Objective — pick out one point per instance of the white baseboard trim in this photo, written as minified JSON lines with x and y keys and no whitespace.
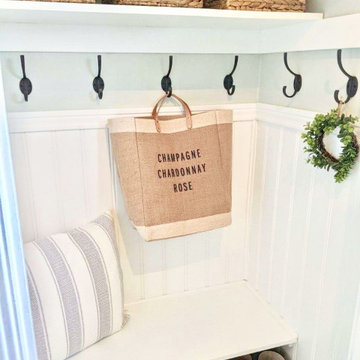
{"x":283,"y":116}
{"x":21,"y":122}
{"x":97,"y":119}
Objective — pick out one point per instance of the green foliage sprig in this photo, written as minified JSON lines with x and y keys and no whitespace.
{"x":317,"y":154}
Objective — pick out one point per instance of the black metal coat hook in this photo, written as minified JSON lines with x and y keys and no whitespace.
{"x":351,"y":86}
{"x":25,"y":84}
{"x":229,"y":81}
{"x":297,"y":80}
{"x":98,"y":83}
{"x":166,"y":81}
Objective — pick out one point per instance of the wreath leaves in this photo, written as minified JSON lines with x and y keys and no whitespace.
{"x":317,"y":154}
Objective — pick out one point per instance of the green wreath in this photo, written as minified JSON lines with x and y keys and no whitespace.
{"x":318,"y":156}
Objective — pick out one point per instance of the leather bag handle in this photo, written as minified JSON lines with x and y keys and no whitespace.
{"x":160,"y":103}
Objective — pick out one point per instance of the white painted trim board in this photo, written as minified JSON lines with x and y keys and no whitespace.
{"x":97,"y":119}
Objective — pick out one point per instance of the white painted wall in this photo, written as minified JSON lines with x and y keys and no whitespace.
{"x":355,"y":342}
{"x":302,"y":252}
{"x":321,"y":77}
{"x":303,"y":245}
{"x":64,"y":180}
{"x":332,"y":8}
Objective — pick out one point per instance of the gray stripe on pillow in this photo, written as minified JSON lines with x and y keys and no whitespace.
{"x":41,"y":336}
{"x":110,"y":325}
{"x":97,"y":270}
{"x":67,"y":294}
{"x":57,"y":290}
{"x":82,"y":327}
{"x":106,"y":223}
{"x":91,"y":279}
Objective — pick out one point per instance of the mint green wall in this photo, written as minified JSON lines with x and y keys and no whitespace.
{"x":321,"y":77}
{"x":64,"y":81}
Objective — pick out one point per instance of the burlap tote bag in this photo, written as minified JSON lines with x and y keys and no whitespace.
{"x":175,"y":171}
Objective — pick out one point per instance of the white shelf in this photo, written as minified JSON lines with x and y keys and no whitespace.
{"x":145,"y":16}
{"x":27,"y":26}
{"x":211,"y":324}
{"x":331,"y":33}
{"x":95,"y":28}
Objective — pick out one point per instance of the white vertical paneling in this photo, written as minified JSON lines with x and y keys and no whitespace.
{"x":284,"y":192}
{"x":256,"y":206}
{"x":163,"y":268}
{"x":299,"y":220}
{"x":268,"y":204}
{"x":314,"y":272}
{"x":354,"y":350}
{"x":249,"y":200}
{"x":274,"y":287}
{"x":65,"y":179}
{"x":195,"y":259}
{"x":58,"y":174}
{"x":71,"y":184}
{"x":60,"y":203}
{"x":42,"y":177}
{"x":153,"y":268}
{"x":290,"y":217}
{"x":330,"y":217}
{"x":131,"y":252}
{"x":314,"y":243}
{"x":96,"y":171}
{"x":349,"y":270}
{"x":175,"y":260}
{"x":217,"y":271}
{"x":293,"y":234}
{"x":24,"y":187}
{"x":242,"y":165}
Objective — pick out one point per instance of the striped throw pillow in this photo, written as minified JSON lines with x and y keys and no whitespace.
{"x":75,"y":285}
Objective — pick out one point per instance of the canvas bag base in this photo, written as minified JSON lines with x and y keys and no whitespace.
{"x":183,"y":228}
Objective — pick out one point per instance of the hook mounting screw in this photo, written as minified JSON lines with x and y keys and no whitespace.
{"x":25,"y":83}
{"x":229,"y":81}
{"x":98,"y":82}
{"x":166,"y":81}
{"x":297,"y":80}
{"x":352,"y":84}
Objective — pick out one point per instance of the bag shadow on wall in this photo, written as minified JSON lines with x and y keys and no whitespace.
{"x":133,"y":242}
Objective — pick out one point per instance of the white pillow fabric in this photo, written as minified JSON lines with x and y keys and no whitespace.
{"x":75,"y":285}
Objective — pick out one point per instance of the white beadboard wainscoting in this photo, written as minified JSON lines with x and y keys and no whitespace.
{"x":64,"y":179}
{"x":293,"y":235}
{"x":304,"y":246}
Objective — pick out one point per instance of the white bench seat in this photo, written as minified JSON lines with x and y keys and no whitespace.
{"x":211,"y":324}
